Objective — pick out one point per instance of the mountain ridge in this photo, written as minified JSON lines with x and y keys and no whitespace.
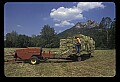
{"x":80,"y":27}
{"x":88,"y":24}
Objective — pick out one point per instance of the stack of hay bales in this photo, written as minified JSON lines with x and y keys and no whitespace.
{"x":68,"y":44}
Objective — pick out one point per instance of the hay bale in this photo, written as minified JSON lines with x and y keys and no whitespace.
{"x":87,"y":43}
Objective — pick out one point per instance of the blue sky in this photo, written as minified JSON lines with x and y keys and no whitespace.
{"x":29,"y":17}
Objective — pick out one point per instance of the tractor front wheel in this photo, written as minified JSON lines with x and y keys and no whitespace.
{"x":34,"y":60}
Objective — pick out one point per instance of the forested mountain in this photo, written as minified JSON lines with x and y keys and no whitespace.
{"x":102,"y":33}
{"x":99,"y":35}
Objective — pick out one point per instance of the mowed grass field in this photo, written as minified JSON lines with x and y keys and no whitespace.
{"x":101,"y":64}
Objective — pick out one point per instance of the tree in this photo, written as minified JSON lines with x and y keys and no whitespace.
{"x":105,"y":22}
{"x":11,"y":39}
{"x":48,"y":36}
{"x":23,"y":41}
{"x":105,"y":25}
{"x":35,"y":40}
{"x":102,"y":25}
{"x":112,"y":34}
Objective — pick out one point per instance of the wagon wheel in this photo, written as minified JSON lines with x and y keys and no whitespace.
{"x":90,"y":55}
{"x":34,"y":60}
{"x":79,"y":58}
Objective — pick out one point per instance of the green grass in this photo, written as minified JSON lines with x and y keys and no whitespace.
{"x":102,"y":64}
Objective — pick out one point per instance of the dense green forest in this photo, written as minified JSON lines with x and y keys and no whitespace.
{"x":104,"y":36}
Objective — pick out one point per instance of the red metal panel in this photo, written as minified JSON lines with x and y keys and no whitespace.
{"x":47,"y":54}
{"x":27,"y":52}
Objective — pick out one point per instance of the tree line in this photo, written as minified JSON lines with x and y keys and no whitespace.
{"x":104,"y":36}
{"x":47,"y":38}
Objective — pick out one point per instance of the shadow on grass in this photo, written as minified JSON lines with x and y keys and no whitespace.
{"x":63,"y":60}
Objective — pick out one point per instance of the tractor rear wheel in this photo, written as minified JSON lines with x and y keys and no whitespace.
{"x":34,"y":60}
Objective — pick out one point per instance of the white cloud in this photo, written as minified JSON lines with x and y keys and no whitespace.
{"x":57,"y":24}
{"x":19,"y":26}
{"x":68,"y":14}
{"x":65,"y":15}
{"x":85,"y":6}
{"x":53,"y":9}
{"x":64,"y":23}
